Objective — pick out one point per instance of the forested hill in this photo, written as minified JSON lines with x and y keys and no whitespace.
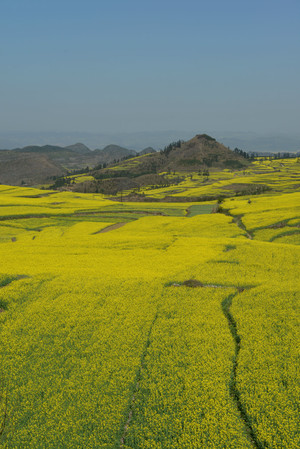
{"x":202,"y":151}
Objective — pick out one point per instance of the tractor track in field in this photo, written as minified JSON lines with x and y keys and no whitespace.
{"x":9,"y":280}
{"x":137,"y":384}
{"x":4,"y":390}
{"x":233,"y":389}
{"x":4,"y":401}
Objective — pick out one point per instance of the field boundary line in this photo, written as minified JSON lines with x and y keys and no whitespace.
{"x":284,"y":234}
{"x":237,"y":219}
{"x":233,"y":390}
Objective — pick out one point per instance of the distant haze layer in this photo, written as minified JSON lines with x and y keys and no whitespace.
{"x":248,"y":141}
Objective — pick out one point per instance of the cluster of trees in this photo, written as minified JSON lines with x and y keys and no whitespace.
{"x":253,"y":154}
{"x":60,"y":182}
{"x":129,"y":156}
{"x":115,"y":161}
{"x":203,"y":173}
{"x":209,"y":161}
{"x":172,"y":146}
{"x":283,"y":155}
{"x":80,"y":171}
{"x":99,"y":166}
{"x":242,"y":153}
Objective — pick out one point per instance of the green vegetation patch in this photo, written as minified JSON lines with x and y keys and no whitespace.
{"x":199,"y":209}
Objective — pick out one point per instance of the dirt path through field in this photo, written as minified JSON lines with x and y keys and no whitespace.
{"x":110,"y":228}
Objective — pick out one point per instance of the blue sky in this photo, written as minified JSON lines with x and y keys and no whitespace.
{"x":123,"y":66}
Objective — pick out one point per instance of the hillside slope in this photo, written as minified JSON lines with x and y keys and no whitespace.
{"x":27,"y":168}
{"x":200,"y":152}
{"x":113,"y":152}
{"x":73,"y":157}
{"x":203,"y":150}
{"x":79,"y":148}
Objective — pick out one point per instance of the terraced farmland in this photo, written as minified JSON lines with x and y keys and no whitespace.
{"x":175,"y":330}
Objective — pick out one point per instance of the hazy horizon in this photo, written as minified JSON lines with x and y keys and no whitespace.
{"x":248,"y":141}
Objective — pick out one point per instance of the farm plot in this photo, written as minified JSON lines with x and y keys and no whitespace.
{"x":104,"y":342}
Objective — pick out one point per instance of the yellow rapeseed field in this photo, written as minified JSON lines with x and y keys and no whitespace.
{"x":140,"y":326}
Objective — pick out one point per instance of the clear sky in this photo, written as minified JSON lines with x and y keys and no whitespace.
{"x":143,"y":65}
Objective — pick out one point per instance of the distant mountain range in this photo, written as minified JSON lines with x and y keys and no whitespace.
{"x":36,"y":164}
{"x":247,"y":141}
{"x":27,"y":168}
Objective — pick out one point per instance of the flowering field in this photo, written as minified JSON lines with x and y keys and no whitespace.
{"x":139,"y":325}
{"x":277,"y":175}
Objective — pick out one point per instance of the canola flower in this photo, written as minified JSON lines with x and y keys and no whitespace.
{"x":183,"y":398}
{"x":92,"y":320}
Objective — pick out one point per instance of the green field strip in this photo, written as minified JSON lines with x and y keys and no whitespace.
{"x":200,"y":209}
